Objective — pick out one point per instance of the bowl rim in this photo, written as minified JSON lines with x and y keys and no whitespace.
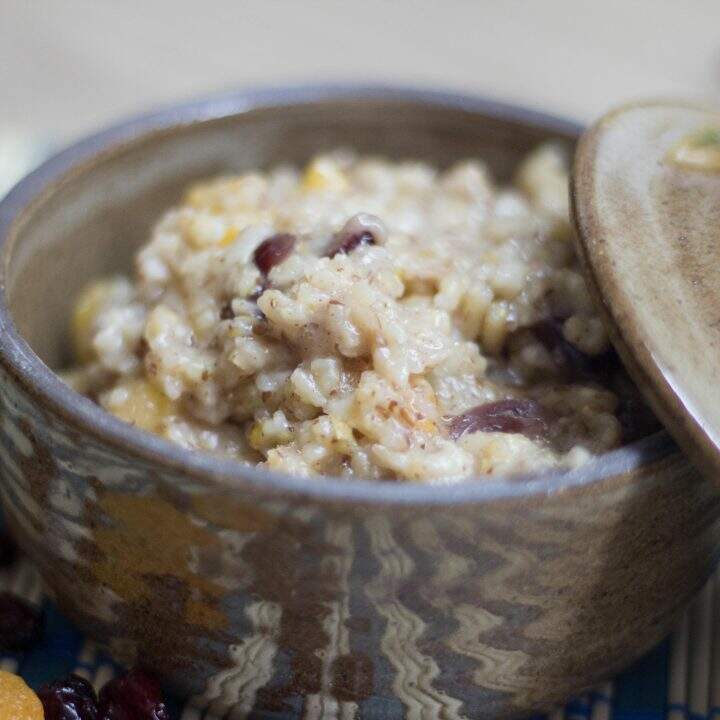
{"x":45,"y":387}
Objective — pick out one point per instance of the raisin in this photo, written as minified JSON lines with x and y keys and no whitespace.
{"x":20,"y":623}
{"x":513,"y":415}
{"x":226,"y":312}
{"x":70,"y":699}
{"x":132,"y":696}
{"x":360,"y":229}
{"x":273,"y":251}
{"x":346,"y":244}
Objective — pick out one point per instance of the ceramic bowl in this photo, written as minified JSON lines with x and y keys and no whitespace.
{"x":290,"y":597}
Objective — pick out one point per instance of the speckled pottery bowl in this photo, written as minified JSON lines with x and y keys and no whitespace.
{"x":288,"y":597}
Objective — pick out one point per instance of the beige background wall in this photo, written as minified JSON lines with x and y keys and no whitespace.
{"x":69,"y":65}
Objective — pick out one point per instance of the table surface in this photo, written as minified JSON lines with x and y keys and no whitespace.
{"x":67,"y":66}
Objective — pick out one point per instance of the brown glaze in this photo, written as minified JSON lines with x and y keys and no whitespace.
{"x":309,"y":598}
{"x":648,"y":211}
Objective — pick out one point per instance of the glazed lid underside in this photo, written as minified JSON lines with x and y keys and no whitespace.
{"x":646,"y":205}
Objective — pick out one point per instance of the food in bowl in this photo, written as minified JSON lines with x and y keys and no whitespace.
{"x":363,"y":318}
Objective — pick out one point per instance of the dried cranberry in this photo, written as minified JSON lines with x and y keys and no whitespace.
{"x":70,"y":699}
{"x":514,"y":415}
{"x":20,"y":623}
{"x":132,"y":696}
{"x":273,"y":251}
{"x":360,"y":229}
{"x":344,"y":244}
{"x":8,"y":550}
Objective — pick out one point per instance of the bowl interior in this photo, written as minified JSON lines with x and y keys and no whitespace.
{"x":89,"y":220}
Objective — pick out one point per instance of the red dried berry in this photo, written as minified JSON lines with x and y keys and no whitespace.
{"x":360,"y":229}
{"x":132,"y":696}
{"x":8,"y":550}
{"x":70,"y":699}
{"x":273,"y":251}
{"x":506,"y":416}
{"x":20,"y":623}
{"x":344,"y":244}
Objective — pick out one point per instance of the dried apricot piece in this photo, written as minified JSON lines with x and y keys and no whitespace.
{"x":92,"y":299}
{"x":140,"y":403}
{"x":17,"y":700}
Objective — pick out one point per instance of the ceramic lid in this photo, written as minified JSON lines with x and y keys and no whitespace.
{"x":646,"y":204}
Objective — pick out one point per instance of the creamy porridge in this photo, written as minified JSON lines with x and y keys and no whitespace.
{"x":363,"y":318}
